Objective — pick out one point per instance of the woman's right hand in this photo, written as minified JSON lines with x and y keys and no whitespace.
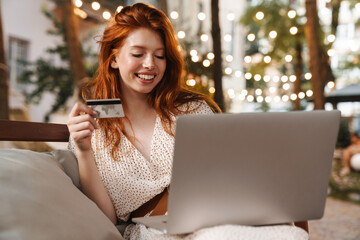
{"x":81,"y":125}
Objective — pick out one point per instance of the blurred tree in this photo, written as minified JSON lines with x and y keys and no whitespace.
{"x":217,"y":68}
{"x":4,"y":84}
{"x":70,"y":21}
{"x":45,"y":76}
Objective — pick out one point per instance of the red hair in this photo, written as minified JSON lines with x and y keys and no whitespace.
{"x":167,"y":96}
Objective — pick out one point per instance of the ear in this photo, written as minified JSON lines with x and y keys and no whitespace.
{"x":114,"y":63}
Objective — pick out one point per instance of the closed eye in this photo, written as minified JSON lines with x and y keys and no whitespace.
{"x":160,"y":57}
{"x":137,"y":55}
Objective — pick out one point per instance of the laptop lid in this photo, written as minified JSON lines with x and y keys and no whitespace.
{"x":250,"y":168}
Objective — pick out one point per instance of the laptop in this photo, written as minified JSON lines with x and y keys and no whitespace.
{"x":248,"y":169}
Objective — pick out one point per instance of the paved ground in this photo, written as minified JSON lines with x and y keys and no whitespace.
{"x":341,"y":221}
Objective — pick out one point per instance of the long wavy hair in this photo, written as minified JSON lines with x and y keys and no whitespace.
{"x":167,"y":96}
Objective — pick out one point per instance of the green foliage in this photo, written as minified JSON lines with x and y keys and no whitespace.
{"x":46,"y":76}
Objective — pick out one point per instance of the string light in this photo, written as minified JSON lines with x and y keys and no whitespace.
{"x":95,"y":6}
{"x":250,"y":98}
{"x":251,"y":37}
{"x":266,"y":78}
{"x":308,"y":76}
{"x":211,"y":90}
{"x":331,"y":84}
{"x":229,"y":58}
{"x":258,"y":91}
{"x":292,"y":14}
{"x":260,"y":99}
{"x":119,"y":8}
{"x":78,"y":3}
{"x":301,"y":95}
{"x":201,"y":16}
{"x":241,"y":97}
{"x":285,"y":98}
{"x":192,"y":82}
{"x":204,"y":37}
{"x":195,"y":58}
{"x":292,"y":78}
{"x":106,"y":15}
{"x":244,"y":92}
{"x":293,"y":96}
{"x":228,"y":70}
{"x":257,"y":77}
{"x":174,"y":15}
{"x":276,"y":79}
{"x":284,"y":78}
{"x":272,"y":89}
{"x":268,"y":99}
{"x":294,"y":30}
{"x":331,"y":52}
{"x":273,"y":34}
{"x":248,"y":76}
{"x":210,"y":56}
{"x":193,"y":52}
{"x":230,"y":17}
{"x":227,"y":38}
{"x":267,"y":59}
{"x":277,"y":99}
{"x":238,"y":73}
{"x":206,"y":63}
{"x":288,"y":58}
{"x":80,"y":13}
{"x":260,"y":15}
{"x":181,"y":34}
{"x":247,"y":59}
{"x":286,"y":86}
{"x":231,"y":92}
{"x":331,"y":38}
{"x":309,"y":93}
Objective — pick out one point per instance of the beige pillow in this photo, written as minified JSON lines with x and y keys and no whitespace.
{"x":39,"y":201}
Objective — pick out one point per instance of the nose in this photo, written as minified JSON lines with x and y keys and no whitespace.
{"x":149,"y":62}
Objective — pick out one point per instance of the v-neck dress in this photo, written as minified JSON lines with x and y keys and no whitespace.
{"x":132,"y":180}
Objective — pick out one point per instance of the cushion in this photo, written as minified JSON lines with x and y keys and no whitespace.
{"x":39,"y":201}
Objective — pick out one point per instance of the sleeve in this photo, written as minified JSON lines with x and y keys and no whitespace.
{"x":200,"y":107}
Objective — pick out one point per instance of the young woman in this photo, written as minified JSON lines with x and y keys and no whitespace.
{"x":125,"y":162}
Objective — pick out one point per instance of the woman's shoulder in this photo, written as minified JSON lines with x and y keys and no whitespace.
{"x":195,"y":107}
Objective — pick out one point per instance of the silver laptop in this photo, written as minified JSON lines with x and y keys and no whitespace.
{"x":248,"y":169}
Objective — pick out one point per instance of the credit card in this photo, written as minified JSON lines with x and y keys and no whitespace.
{"x":107,"y":108}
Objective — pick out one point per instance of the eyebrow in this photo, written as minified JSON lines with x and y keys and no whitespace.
{"x":142,"y":47}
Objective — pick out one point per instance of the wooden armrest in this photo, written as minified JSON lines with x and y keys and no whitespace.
{"x":33,"y":131}
{"x":304,"y":225}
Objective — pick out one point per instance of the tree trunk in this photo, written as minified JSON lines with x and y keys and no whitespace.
{"x":70,"y":22}
{"x":4,"y":84}
{"x":298,"y":74}
{"x":216,"y":36}
{"x":313,"y":42}
{"x":162,"y":5}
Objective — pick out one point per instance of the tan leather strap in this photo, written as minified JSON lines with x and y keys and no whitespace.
{"x":158,"y":204}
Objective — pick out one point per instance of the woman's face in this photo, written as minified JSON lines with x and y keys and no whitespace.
{"x":141,"y":61}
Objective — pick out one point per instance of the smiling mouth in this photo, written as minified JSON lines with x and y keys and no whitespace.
{"x":145,"y":76}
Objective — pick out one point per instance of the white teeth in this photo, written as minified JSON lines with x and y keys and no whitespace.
{"x":146,"y":77}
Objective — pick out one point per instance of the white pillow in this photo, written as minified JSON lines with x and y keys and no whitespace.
{"x":39,"y":201}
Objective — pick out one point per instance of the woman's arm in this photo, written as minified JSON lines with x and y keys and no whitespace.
{"x":81,"y":125}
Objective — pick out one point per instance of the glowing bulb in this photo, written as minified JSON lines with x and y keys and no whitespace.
{"x":272,"y":89}
{"x":95,"y":6}
{"x":244,"y":92}
{"x":247,"y":59}
{"x":181,"y":34}
{"x":277,"y":99}
{"x":106,"y":15}
{"x":331,"y":38}
{"x":210,"y":56}
{"x":286,"y":86}
{"x":266,"y":78}
{"x":292,"y":78}
{"x":276,"y":79}
{"x":227,"y":38}
{"x":331,"y":52}
{"x":195,"y":58}
{"x":228,"y":71}
{"x":258,"y":91}
{"x":248,"y":76}
{"x":206,"y":63}
{"x":204,"y":37}
{"x":211,"y":90}
{"x":301,"y":95}
{"x":292,"y":14}
{"x":285,"y":98}
{"x":251,"y":37}
{"x":260,"y":99}
{"x":284,"y":78}
{"x":174,"y":15}
{"x":229,"y":58}
{"x":193,"y":52}
{"x":250,"y":98}
{"x":230,"y":16}
{"x":201,"y":16}
{"x":293,"y":96}
{"x":273,"y":34}
{"x":267,"y":59}
{"x":294,"y":30}
{"x":238,"y":73}
{"x":268,"y":99}
{"x":308,"y":76}
{"x":260,"y":15}
{"x":288,"y":58}
{"x":331,"y":84}
{"x":192,"y":82}
{"x":78,"y":3}
{"x":257,"y":77}
{"x":309,"y":93}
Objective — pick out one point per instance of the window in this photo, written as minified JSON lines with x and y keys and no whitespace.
{"x":18,"y":52}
